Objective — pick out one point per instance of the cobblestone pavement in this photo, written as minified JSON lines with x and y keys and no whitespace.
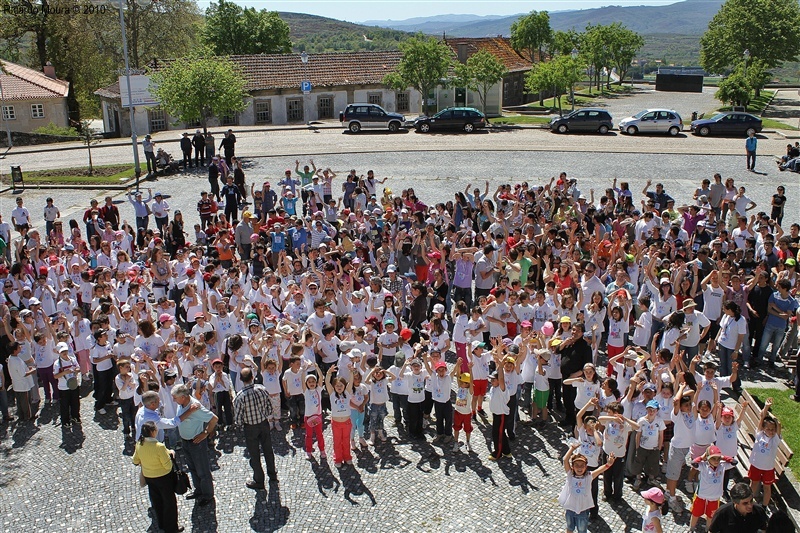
{"x":83,"y":480}
{"x":436,"y":175}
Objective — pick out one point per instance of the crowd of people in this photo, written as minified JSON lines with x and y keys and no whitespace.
{"x":624,"y":318}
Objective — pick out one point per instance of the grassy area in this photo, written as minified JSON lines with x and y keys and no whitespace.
{"x":756,"y":105}
{"x":788,"y":413}
{"x":101,"y":175}
{"x":772,"y":124}
{"x":520,"y":119}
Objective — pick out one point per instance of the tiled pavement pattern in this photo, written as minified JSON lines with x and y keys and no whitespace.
{"x":83,"y":480}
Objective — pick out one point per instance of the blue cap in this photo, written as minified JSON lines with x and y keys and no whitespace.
{"x":652,"y":404}
{"x":158,"y":193}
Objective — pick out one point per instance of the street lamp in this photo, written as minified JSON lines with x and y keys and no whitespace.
{"x":574,"y":55}
{"x":120,"y":5}
{"x":746,"y":55}
{"x":304,"y":58}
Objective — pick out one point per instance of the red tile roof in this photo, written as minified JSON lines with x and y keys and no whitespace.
{"x":22,"y":83}
{"x":286,"y":71}
{"x":500,"y":47}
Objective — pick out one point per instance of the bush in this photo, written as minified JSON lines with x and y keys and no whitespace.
{"x":52,"y":129}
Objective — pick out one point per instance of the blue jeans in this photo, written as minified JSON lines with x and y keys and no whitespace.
{"x":578,"y":522}
{"x":377,"y":413}
{"x":726,"y":365}
{"x":198,"y":462}
{"x":772,"y":334}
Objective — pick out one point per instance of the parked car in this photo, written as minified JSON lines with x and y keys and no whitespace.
{"x":653,"y":121}
{"x":356,"y":117}
{"x":465,"y":119}
{"x":730,"y":123}
{"x":586,"y":120}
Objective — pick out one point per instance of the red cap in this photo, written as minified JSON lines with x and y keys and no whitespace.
{"x":43,"y":270}
{"x":190,"y":272}
{"x":406,"y":333}
{"x":199,"y":315}
{"x":215,"y":361}
{"x":727,"y":411}
{"x":440,"y":364}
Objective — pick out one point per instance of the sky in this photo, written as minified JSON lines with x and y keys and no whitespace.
{"x":361,"y":10}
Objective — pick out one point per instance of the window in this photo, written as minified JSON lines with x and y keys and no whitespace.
{"x":157,"y":119}
{"x":37,"y":110}
{"x":230,"y":119}
{"x":325,"y":106}
{"x":294,"y":110}
{"x":263,"y":112}
{"x":374,"y":98}
{"x":403,"y":102}
{"x":8,"y":112}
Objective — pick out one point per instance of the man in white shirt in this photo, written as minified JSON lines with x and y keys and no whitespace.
{"x":21,"y":217}
{"x":22,"y":381}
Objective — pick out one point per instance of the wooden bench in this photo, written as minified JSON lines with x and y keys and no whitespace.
{"x":748,"y":427}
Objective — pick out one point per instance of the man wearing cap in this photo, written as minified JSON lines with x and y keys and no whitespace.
{"x":199,"y":144}
{"x":740,"y":515}
{"x":140,"y":208}
{"x":149,"y":153}
{"x":186,"y":149}
{"x":194,"y":430}
{"x":160,"y":209}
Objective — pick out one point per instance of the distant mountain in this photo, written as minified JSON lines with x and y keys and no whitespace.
{"x":449,"y":19}
{"x":689,"y":17}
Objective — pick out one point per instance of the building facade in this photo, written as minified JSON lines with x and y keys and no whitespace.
{"x":30,"y":99}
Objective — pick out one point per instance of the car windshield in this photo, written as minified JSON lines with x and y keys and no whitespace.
{"x":640,"y":114}
{"x":440,"y":113}
{"x":718,"y":116}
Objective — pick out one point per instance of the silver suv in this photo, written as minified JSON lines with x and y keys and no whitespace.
{"x":356,"y":117}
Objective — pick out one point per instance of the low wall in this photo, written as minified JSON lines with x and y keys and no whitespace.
{"x":28,"y":139}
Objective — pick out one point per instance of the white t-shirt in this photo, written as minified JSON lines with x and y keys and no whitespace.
{"x":730,"y":329}
{"x":340,"y":405}
{"x":313,"y":401}
{"x":99,"y":352}
{"x":712,"y":302}
{"x":705,"y":431}
{"x":498,"y":401}
{"x":379,"y":392}
{"x":711,"y":481}
{"x":480,"y":365}
{"x":586,"y":391}
{"x":271,"y":382}
{"x":440,"y":387}
{"x":294,"y":381}
{"x":615,"y":439}
{"x":683,"y":427}
{"x":126,"y":387}
{"x":416,"y":385}
{"x":765,"y":451}
{"x":463,"y":401}
{"x":649,"y":431}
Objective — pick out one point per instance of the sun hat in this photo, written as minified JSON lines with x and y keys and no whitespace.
{"x":654,"y":494}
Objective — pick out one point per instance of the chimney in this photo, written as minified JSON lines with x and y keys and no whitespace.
{"x":49,"y":70}
{"x":462,"y":52}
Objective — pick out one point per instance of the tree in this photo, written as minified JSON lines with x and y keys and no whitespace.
{"x":88,"y":138}
{"x":556,"y":76}
{"x":531,"y":32}
{"x":198,"y":88}
{"x":767,"y":28}
{"x":734,"y":90}
{"x":564,"y":42}
{"x":757,"y":75}
{"x":622,"y":47}
{"x":480,"y":73}
{"x":424,"y":66}
{"x":594,"y":49}
{"x":233,"y":30}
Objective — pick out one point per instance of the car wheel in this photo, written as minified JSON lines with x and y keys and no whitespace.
{"x":703,"y":131}
{"x":674,"y":130}
{"x":603,"y":129}
{"x":424,"y":127}
{"x":394,"y":127}
{"x":469,"y":128}
{"x":749,"y":131}
{"x":563,"y":128}
{"x":355,"y":127}
{"x":631,"y":130}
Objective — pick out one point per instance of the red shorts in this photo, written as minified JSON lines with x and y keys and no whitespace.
{"x":480,"y":387}
{"x":702,"y":507}
{"x":460,"y":421}
{"x":767,"y":477}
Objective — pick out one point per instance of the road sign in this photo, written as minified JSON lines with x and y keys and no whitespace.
{"x":305,"y":86}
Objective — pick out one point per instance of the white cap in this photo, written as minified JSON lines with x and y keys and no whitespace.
{"x":62,"y":347}
{"x":438,"y":308}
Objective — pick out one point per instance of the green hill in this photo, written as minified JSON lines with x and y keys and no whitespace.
{"x":316,"y":34}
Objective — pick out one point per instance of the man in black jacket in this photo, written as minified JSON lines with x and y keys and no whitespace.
{"x":186,"y":148}
{"x":575,"y":352}
{"x":228,"y":146}
{"x":741,"y":515}
{"x":199,"y":143}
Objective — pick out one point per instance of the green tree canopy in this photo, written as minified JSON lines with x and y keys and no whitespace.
{"x":531,"y":32}
{"x":769,"y":29}
{"x":623,"y":46}
{"x":555,"y":76}
{"x":424,"y":65}
{"x":231,"y":29}
{"x":735,"y":89}
{"x":198,"y":88}
{"x":480,"y":73}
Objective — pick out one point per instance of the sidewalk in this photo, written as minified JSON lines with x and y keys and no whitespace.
{"x":785,"y":107}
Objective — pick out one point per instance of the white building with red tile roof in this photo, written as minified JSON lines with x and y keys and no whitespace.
{"x":30,"y":99}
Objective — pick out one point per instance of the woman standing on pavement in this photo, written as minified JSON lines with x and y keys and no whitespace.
{"x":156,"y":462}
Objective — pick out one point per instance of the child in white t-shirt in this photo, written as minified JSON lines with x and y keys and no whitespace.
{"x":765,"y":451}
